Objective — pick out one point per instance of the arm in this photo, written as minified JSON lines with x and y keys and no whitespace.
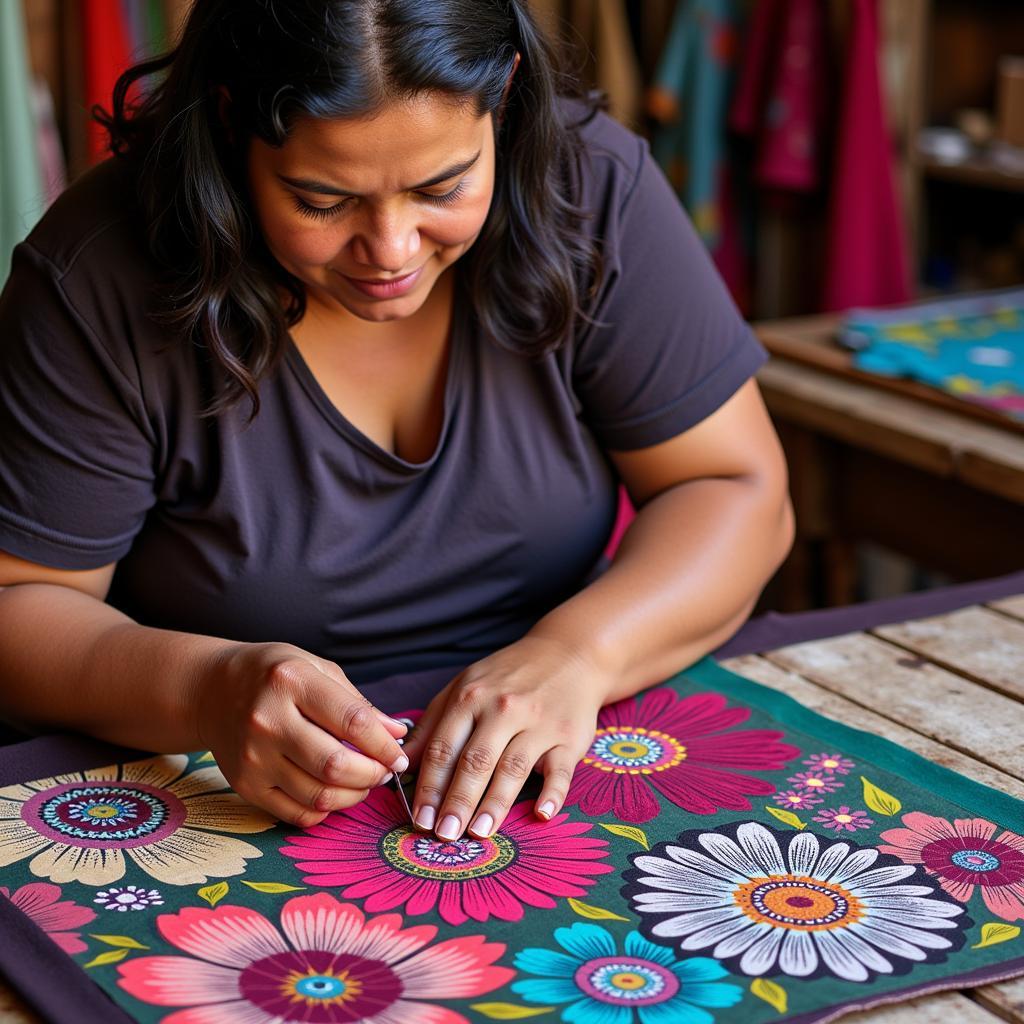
{"x":715,"y":522}
{"x":272,"y":714}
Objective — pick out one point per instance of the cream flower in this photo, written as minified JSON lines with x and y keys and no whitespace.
{"x":79,"y":826}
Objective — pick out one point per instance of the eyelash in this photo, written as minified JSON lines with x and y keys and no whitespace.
{"x":325,"y":212}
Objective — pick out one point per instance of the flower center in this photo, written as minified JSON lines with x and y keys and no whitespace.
{"x":830,"y":762}
{"x":318,"y":986}
{"x":417,"y":854}
{"x":125,"y":814}
{"x":813,"y":783}
{"x":632,"y":981}
{"x":844,"y":818}
{"x":629,"y":750}
{"x":975,"y":860}
{"x":798,"y":902}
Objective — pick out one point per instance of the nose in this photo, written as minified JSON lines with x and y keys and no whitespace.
{"x":386,"y":240}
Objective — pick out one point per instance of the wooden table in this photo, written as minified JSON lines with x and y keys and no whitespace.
{"x":950,"y":687}
{"x":905,"y":466}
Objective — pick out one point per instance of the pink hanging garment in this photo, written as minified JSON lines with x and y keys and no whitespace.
{"x":866,"y":262}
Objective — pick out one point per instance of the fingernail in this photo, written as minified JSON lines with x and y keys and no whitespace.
{"x":400,"y":764}
{"x":483,"y":826}
{"x":546,"y":809}
{"x":387,"y":778}
{"x":449,"y":828}
{"x":425,"y":819}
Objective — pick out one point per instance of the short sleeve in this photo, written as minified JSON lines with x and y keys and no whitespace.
{"x":669,"y":345}
{"x":76,"y":457}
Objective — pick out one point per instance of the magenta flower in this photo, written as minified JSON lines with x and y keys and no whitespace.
{"x":797,"y":799}
{"x":815,"y":782}
{"x":40,"y":902}
{"x":832,"y":764}
{"x":681,"y":747}
{"x":368,"y":852}
{"x":963,"y":855}
{"x":330,"y":965}
{"x":843,"y":819}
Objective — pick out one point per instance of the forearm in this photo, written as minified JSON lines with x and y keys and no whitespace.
{"x":70,"y":662}
{"x":686,"y":576}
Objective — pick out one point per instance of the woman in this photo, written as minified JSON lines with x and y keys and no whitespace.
{"x":332,"y":374}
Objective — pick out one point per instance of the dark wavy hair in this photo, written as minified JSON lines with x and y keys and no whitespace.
{"x":530,"y":269}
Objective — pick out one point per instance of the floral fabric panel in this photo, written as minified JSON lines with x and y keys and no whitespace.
{"x":723,"y":855}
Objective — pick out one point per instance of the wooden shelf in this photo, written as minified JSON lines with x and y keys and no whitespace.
{"x":973,"y":171}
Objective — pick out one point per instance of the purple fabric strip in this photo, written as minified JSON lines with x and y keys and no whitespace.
{"x":773,"y":630}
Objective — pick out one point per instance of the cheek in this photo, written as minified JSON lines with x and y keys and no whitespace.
{"x":458,"y":226}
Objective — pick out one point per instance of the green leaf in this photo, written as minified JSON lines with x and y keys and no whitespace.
{"x":208,"y":756}
{"x":272,"y":887}
{"x":786,"y":817}
{"x":636,"y":834}
{"x":995,"y":932}
{"x":880,"y":801}
{"x":122,"y":941}
{"x":509,"y":1011}
{"x":213,"y":894}
{"x":774,"y":995}
{"x":594,"y":913}
{"x":110,"y":957}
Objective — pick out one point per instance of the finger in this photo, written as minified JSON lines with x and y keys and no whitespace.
{"x":354,"y":720}
{"x":438,"y":761}
{"x":420,"y":732}
{"x":325,"y":758}
{"x":557,"y":766}
{"x":474,"y":770}
{"x":311,"y":792}
{"x":510,"y":773}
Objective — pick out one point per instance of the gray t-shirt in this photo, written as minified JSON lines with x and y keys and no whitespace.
{"x":299,"y":528}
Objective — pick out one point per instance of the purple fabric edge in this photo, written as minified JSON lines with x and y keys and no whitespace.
{"x":773,"y":629}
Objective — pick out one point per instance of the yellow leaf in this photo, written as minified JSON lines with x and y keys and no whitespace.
{"x":636,"y":834}
{"x":123,"y":941}
{"x":774,"y":995}
{"x":110,"y":957}
{"x":213,"y":894}
{"x":880,"y":801}
{"x":995,"y":932}
{"x":594,"y":913}
{"x":272,"y":887}
{"x":208,"y":756}
{"x":787,"y":817}
{"x":509,"y":1011}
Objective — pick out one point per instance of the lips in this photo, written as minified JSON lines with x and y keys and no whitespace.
{"x":385,"y":288}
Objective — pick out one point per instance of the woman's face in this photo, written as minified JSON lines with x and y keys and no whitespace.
{"x":369,"y":211}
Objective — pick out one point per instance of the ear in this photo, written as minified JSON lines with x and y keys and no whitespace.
{"x":508,"y":87}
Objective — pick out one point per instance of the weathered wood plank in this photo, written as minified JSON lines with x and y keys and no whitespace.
{"x":835,"y":706}
{"x":1013,"y":606}
{"x":974,"y":642}
{"x":1006,"y":999}
{"x":945,"y":707}
{"x":942,"y":1008}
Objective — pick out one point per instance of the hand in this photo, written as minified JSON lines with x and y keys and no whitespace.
{"x":279,"y":722}
{"x":531,"y":704}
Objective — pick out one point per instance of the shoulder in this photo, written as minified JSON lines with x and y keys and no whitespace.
{"x":611,"y":158}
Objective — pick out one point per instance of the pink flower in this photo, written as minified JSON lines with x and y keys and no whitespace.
{"x":681,"y":748}
{"x":797,"y":799}
{"x":39,"y":901}
{"x":843,"y":819}
{"x":815,"y":782}
{"x":369,"y":852}
{"x":833,"y":764}
{"x":963,"y":855}
{"x":330,"y":965}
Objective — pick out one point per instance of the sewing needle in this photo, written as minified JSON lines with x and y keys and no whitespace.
{"x":397,"y":780}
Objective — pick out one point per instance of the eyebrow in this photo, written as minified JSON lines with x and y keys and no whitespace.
{"x":323,"y":188}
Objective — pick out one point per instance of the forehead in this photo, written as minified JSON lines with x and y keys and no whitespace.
{"x":406,"y":140}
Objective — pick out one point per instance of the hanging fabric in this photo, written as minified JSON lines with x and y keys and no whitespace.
{"x":867,"y":254}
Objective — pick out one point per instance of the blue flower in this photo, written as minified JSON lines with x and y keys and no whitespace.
{"x":605,"y":986}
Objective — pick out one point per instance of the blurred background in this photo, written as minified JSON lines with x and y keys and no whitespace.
{"x":855,"y":168}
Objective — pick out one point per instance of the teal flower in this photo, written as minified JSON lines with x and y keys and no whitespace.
{"x":605,"y":986}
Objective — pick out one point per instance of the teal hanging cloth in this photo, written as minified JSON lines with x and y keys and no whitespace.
{"x":22,"y":198}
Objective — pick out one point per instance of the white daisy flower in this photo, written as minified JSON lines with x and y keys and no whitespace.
{"x":840,"y":910}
